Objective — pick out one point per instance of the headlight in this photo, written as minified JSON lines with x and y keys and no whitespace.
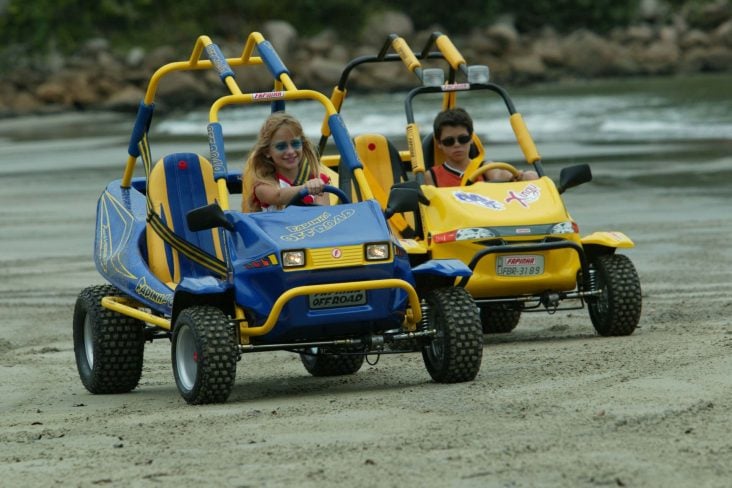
{"x":565,"y":228}
{"x":293,"y":259}
{"x":378,"y":251}
{"x":473,"y":233}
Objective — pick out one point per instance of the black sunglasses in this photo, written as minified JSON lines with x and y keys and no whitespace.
{"x":461,"y":139}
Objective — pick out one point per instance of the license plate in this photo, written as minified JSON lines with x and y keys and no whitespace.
{"x":337,"y":299}
{"x":520,"y":265}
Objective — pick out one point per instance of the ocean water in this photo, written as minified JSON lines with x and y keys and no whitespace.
{"x":670,"y":129}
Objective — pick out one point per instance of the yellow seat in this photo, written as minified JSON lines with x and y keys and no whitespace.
{"x":383,"y":169}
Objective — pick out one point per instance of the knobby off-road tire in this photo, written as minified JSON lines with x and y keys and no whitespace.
{"x":330,"y":364}
{"x":108,"y":346}
{"x":497,"y":319}
{"x":617,"y":310}
{"x":455,"y":353}
{"x":204,"y":354}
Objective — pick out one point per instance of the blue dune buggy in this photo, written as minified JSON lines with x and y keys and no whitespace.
{"x":330,"y":283}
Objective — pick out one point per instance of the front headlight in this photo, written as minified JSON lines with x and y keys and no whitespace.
{"x":378,"y":251}
{"x":293,"y":259}
{"x":565,"y":228}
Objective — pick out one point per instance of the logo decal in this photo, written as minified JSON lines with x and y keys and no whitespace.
{"x":475,"y":199}
{"x":526,"y":196}
{"x":146,"y":291}
{"x":336,"y":253}
{"x":455,"y":86}
{"x":268,"y":95}
{"x":322,"y":223}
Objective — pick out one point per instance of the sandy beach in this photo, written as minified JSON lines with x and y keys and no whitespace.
{"x":553,"y":405}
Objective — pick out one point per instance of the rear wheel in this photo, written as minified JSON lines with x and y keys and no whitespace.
{"x":455,"y":353}
{"x":497,"y":319}
{"x":319,"y":364}
{"x":108,"y":346}
{"x":204,"y":353}
{"x":616,"y":311}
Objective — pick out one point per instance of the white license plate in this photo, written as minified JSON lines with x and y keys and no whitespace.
{"x":337,"y":299}
{"x":520,"y":265}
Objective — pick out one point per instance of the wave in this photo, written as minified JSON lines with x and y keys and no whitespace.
{"x":607,"y":116}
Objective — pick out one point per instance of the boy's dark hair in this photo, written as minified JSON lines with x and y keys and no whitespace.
{"x":455,"y":117}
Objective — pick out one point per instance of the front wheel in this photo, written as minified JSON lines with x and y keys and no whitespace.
{"x":319,"y":364}
{"x":204,"y":353}
{"x":108,"y":346}
{"x":455,"y":353}
{"x":616,"y":311}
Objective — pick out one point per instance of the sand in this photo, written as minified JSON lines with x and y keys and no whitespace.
{"x":553,"y":405}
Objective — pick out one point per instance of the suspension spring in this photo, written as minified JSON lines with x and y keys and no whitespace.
{"x":424,"y":323}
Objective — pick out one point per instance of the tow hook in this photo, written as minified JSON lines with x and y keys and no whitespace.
{"x":550,"y":302}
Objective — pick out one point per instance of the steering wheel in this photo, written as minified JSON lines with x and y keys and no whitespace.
{"x":470,"y":179}
{"x":297,"y":199}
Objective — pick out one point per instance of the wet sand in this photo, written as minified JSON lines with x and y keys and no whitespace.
{"x":553,"y":405}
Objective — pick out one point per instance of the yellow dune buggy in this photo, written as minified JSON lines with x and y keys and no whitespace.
{"x":518,"y":238}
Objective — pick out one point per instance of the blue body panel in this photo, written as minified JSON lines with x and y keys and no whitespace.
{"x":120,"y":256}
{"x":260,"y":235}
{"x":119,"y":247}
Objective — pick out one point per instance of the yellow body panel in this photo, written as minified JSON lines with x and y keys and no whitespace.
{"x":517,"y":213}
{"x":608,"y":239}
{"x":495,"y":204}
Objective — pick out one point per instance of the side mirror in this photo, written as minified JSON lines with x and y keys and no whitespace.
{"x":572,"y":176}
{"x":402,"y":199}
{"x":208,"y":217}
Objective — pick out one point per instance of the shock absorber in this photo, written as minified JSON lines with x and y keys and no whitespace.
{"x":593,"y":279}
{"x":425,"y":322}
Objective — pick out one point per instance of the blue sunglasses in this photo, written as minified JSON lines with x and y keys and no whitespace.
{"x":282,"y":146}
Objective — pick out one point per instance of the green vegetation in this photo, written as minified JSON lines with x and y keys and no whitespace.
{"x":63,"y":23}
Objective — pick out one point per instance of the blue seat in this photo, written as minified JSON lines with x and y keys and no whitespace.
{"x":179,"y":183}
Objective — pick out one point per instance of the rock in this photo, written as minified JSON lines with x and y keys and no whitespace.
{"x":588,"y":54}
{"x":504,"y":36}
{"x":321,"y":73}
{"x":723,"y":34}
{"x":282,"y":35}
{"x":527,"y":67}
{"x":694,"y":38}
{"x":380,"y":24}
{"x":548,"y":48}
{"x":24,"y":103}
{"x":661,"y":57}
{"x":135,"y":57}
{"x":718,"y":58}
{"x":160,"y":56}
{"x":52,"y":91}
{"x":638,"y":34}
{"x":95,"y":45}
{"x":183,"y":90}
{"x":125,"y":100}
{"x":322,"y":43}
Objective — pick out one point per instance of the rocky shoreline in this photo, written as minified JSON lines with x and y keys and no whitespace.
{"x":99,"y":78}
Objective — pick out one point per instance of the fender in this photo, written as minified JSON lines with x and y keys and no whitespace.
{"x":205,"y":290}
{"x":608,"y":239}
{"x":452,"y":268}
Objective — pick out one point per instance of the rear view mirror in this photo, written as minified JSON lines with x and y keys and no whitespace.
{"x":402,"y":199}
{"x":572,"y":176}
{"x":208,"y":217}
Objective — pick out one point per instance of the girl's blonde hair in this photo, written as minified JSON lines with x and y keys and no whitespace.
{"x":259,"y":168}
